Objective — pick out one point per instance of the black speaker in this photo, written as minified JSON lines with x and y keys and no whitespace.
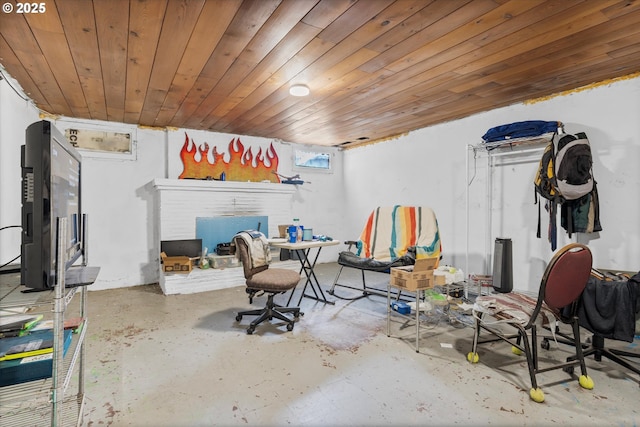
{"x":502,"y":266}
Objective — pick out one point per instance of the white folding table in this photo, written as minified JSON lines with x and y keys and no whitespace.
{"x":302,"y":250}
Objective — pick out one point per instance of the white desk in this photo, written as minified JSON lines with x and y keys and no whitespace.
{"x":302,"y":249}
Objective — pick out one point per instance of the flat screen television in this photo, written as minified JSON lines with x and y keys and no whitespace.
{"x":51,"y":177}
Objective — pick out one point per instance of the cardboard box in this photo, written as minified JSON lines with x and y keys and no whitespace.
{"x":283,"y":230}
{"x":414,"y":277}
{"x":176,"y":264}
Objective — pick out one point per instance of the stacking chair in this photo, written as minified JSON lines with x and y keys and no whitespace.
{"x":262,"y":279}
{"x":561,"y":286}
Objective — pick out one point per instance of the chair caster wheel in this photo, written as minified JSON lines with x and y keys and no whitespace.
{"x":290,"y":327}
{"x":239,"y":317}
{"x":250,"y":330}
{"x":545,"y":344}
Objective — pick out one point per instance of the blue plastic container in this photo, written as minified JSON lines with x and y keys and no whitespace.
{"x":401,"y":307}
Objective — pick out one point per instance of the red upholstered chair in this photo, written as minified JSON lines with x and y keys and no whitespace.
{"x":561,"y":285}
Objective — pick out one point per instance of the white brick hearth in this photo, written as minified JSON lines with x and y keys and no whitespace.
{"x":181,"y":201}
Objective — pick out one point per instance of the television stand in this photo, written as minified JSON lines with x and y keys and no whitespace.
{"x":75,"y":276}
{"x":80,"y":276}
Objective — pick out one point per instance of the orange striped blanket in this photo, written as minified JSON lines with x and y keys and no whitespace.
{"x":390,"y":231}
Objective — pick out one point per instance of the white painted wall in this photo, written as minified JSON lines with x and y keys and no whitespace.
{"x":15,"y":115}
{"x":118,"y":195}
{"x":427,"y":167}
{"x":120,"y":206}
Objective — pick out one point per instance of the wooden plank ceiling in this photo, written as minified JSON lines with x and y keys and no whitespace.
{"x":376,"y":68}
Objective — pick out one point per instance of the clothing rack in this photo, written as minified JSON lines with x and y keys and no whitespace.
{"x":492,"y":150}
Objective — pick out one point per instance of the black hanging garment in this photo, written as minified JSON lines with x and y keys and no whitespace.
{"x":581,"y":215}
{"x":608,"y":308}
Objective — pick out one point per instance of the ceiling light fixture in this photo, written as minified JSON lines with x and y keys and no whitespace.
{"x":299,"y":90}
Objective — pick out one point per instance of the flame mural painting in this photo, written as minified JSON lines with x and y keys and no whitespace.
{"x":242,"y":165}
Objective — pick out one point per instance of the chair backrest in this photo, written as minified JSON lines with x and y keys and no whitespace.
{"x":566,"y":275}
{"x":243,"y":253}
{"x":390,"y":231}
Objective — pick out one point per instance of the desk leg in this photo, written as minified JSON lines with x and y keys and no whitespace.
{"x":303,"y":255}
{"x":388,"y":309}
{"x":417,"y":321}
{"x":311,"y":279}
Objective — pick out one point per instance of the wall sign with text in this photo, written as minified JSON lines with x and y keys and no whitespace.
{"x":98,"y":141}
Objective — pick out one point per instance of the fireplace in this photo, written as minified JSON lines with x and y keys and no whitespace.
{"x":179,"y":202}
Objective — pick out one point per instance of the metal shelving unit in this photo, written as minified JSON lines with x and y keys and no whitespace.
{"x":58,"y":400}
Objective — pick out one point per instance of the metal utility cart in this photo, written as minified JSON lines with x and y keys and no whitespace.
{"x":416,"y":278}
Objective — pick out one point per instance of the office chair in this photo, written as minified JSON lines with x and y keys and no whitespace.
{"x":561,"y":285}
{"x":608,"y":309}
{"x":598,"y":350}
{"x":262,"y":279}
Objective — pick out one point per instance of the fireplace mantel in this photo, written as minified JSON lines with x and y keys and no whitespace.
{"x":166,"y":184}
{"x":180,"y":201}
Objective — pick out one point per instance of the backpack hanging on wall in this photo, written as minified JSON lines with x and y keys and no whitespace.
{"x":574,"y":177}
{"x":545,"y":182}
{"x":546,"y":186}
{"x":575,"y":181}
{"x":565,"y":177}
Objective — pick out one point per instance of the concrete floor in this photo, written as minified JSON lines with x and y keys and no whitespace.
{"x":183,"y":360}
